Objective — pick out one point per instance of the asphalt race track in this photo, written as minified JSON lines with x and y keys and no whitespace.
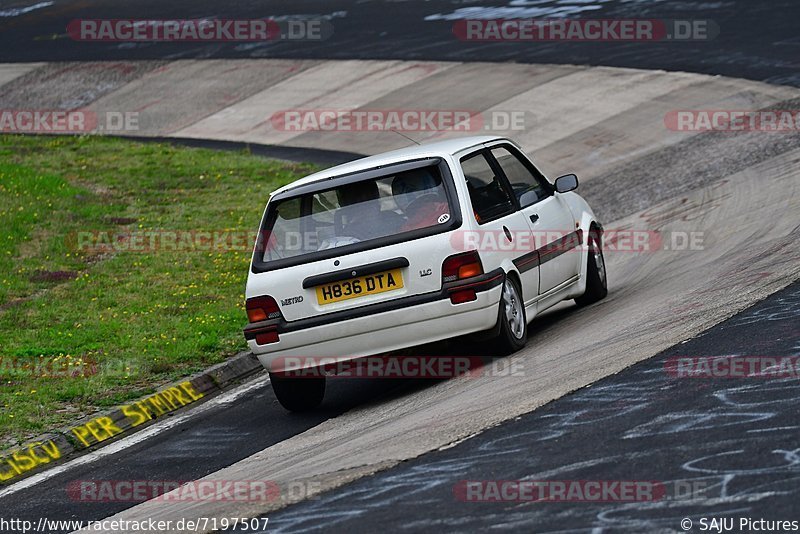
{"x":722,"y":447}
{"x":230,"y":430}
{"x":593,"y":399}
{"x":757,"y":40}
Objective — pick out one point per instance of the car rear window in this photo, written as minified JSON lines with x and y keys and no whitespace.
{"x":357,"y":212}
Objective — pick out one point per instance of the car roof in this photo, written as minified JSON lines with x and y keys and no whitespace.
{"x":426,"y":150}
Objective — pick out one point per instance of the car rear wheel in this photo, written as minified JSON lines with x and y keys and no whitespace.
{"x":596,"y":282}
{"x":512,"y":323}
{"x":298,"y":394}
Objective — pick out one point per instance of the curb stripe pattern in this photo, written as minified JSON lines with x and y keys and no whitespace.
{"x":54,"y":447}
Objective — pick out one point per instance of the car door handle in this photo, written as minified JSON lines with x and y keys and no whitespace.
{"x":534,"y":218}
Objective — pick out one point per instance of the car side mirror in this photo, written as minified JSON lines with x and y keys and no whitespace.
{"x":568,"y":182}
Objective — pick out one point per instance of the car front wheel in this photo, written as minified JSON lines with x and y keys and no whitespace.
{"x":596,"y":282}
{"x":298,"y":394}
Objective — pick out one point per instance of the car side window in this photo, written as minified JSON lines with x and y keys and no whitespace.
{"x":489,"y":198}
{"x":527,"y":187}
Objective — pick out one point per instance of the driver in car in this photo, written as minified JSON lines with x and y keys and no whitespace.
{"x":419,"y":194}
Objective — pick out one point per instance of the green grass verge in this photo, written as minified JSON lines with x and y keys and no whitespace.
{"x":141,"y":318}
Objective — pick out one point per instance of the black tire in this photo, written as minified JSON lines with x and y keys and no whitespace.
{"x":512,"y":324}
{"x":298,"y":394}
{"x":596,"y":276}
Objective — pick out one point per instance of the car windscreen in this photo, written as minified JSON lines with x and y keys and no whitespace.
{"x":373,"y":211}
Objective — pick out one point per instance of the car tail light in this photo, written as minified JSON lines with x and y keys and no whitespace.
{"x":262,"y":308}
{"x":461,"y":266}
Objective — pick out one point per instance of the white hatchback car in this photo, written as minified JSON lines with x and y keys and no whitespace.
{"x":414,"y":246}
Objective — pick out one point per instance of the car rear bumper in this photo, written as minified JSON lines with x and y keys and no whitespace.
{"x":384,"y":327}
